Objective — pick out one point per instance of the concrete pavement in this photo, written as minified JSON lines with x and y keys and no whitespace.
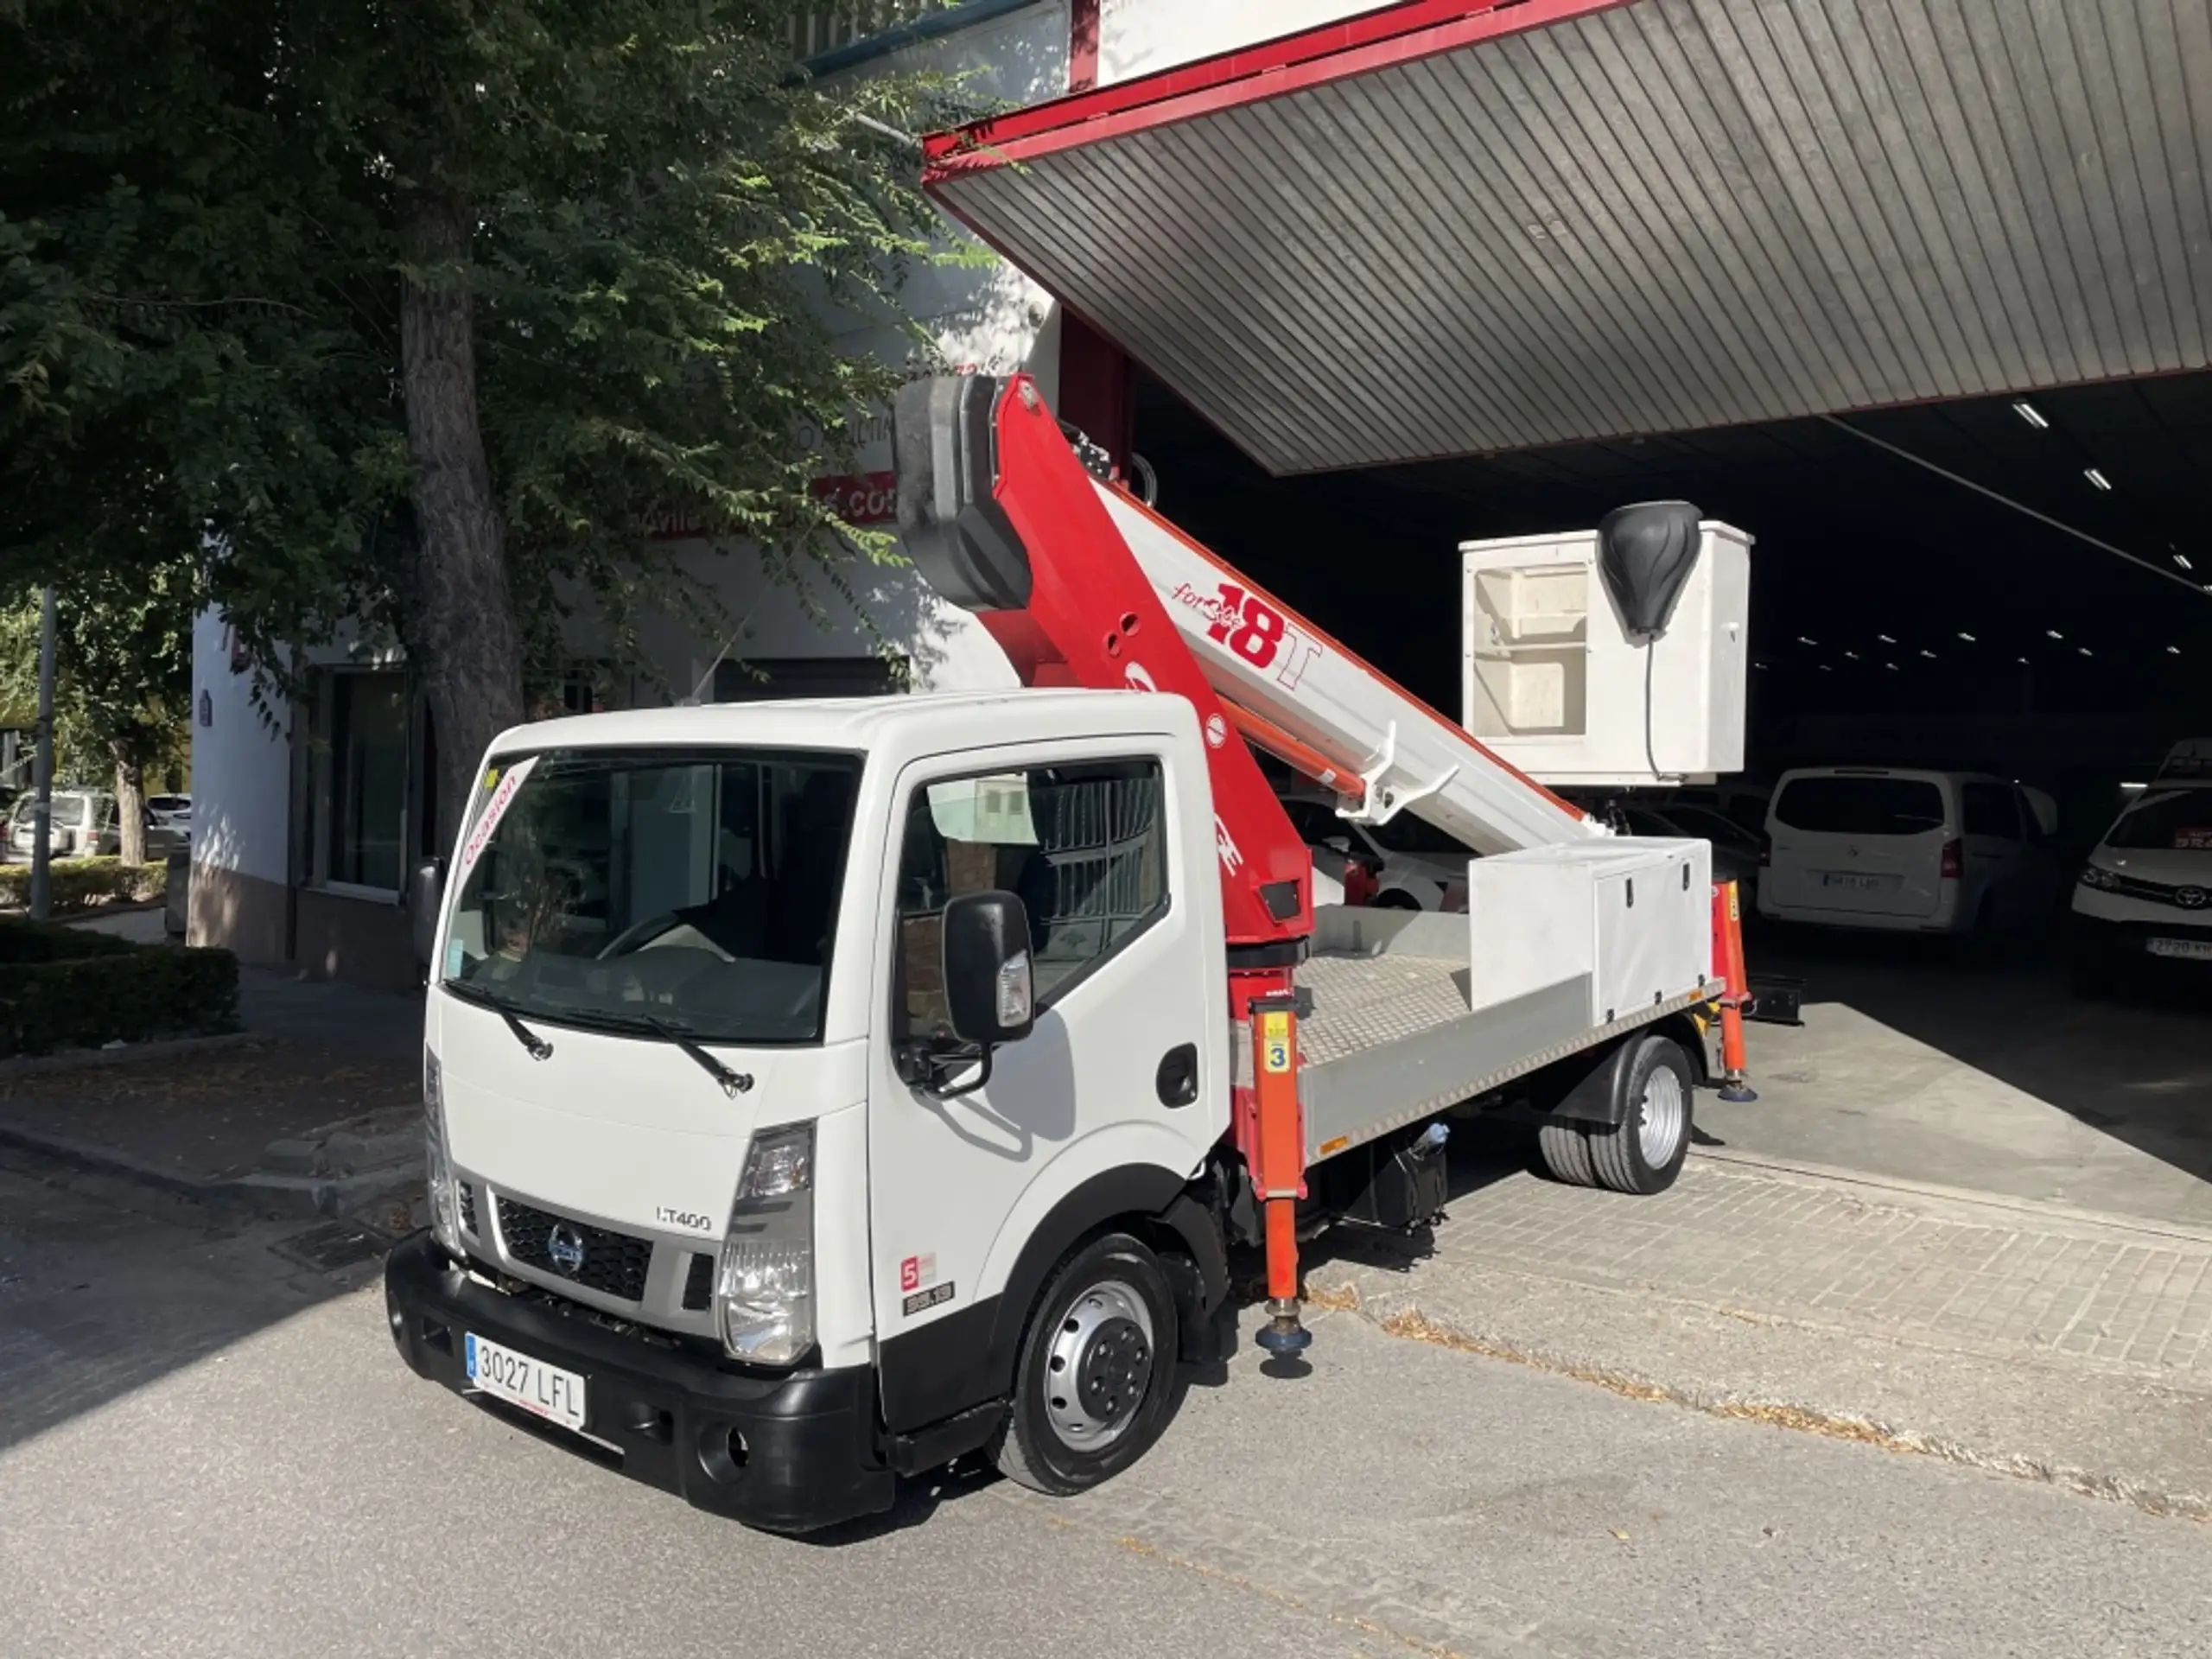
{"x":1990,"y":1076}
{"x":249,"y":1462}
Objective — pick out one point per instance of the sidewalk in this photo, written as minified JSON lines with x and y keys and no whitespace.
{"x":315,"y":1106}
{"x":2015,"y":1336}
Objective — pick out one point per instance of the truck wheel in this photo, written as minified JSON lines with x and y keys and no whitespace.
{"x":1645,"y":1151}
{"x":1096,"y":1371}
{"x":1566,"y":1145}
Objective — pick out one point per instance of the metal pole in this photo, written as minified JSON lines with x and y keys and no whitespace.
{"x":42,"y":765}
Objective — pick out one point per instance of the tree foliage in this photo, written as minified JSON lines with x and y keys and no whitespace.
{"x":232,"y":233}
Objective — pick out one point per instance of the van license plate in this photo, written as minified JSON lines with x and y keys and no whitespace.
{"x":543,"y":1390}
{"x":1855,"y":883}
{"x":2193,"y":949}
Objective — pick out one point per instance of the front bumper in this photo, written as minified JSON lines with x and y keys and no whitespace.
{"x":806,"y":1455}
{"x":2119,"y":941}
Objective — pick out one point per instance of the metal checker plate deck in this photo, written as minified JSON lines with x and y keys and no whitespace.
{"x":1361,"y":1002}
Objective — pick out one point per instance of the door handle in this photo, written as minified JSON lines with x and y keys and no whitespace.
{"x":1178,"y":1077}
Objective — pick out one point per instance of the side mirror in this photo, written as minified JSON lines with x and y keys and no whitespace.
{"x":426,"y":892}
{"x":987,"y":988}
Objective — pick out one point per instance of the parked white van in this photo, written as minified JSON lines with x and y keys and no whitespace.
{"x":1907,"y":850}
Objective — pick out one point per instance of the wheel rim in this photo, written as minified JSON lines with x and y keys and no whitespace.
{"x":1099,"y":1367}
{"x":1659,"y":1130}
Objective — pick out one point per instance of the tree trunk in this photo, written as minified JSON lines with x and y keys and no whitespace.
{"x":130,"y":800}
{"x":456,"y":606}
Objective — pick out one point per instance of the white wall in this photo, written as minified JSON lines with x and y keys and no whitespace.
{"x":241,"y":765}
{"x":1137,"y":37}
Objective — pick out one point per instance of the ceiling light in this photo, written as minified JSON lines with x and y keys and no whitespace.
{"x":1892,"y":667}
{"x":2182,"y":559}
{"x":2053,"y":633}
{"x":1802,"y":640}
{"x":1886,"y":638}
{"x":1968,"y":638}
{"x":2173,"y":651}
{"x":2085,"y":650}
{"x":2022,"y":659}
{"x":1854,"y":655}
{"x":2096,"y":478}
{"x":1825,"y":669}
{"x":2031,"y":415}
{"x":1927,"y":653}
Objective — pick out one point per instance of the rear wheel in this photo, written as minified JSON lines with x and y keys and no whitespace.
{"x":1643,"y":1153}
{"x":1096,"y":1372}
{"x":1566,"y":1145}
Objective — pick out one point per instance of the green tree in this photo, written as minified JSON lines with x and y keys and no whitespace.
{"x":122,"y":680}
{"x":406,"y":310}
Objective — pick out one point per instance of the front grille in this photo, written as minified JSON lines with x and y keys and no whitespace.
{"x":614,"y":1263}
{"x":699,"y":1284}
{"x":469,"y":1209}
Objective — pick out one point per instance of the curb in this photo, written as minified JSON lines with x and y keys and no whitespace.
{"x":83,"y":1059}
{"x":261,"y":1192}
{"x":2180,"y":1231}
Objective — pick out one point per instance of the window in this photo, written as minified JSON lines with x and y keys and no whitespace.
{"x":1861,"y":806}
{"x":365,"y":790}
{"x":694,"y":893}
{"x":1085,"y":847}
{"x":1992,"y":810}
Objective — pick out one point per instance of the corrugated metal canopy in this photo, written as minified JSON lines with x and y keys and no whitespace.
{"x":1446,"y":228}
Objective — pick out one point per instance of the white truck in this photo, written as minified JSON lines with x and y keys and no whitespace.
{"x":819,"y":1092}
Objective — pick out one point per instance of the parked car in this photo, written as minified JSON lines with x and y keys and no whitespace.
{"x":2144,"y":895}
{"x":1741,"y":802}
{"x":1735,"y":849}
{"x":1905,"y":849}
{"x":172,"y":814}
{"x":1414,"y":865}
{"x":85,"y":826}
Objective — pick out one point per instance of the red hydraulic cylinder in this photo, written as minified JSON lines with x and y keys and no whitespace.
{"x":1728,"y":960}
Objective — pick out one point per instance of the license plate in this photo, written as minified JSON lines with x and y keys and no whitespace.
{"x":2194,"y":950}
{"x":543,"y":1390}
{"x":1855,"y":883}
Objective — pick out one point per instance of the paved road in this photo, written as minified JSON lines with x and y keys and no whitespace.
{"x":248,"y":1464}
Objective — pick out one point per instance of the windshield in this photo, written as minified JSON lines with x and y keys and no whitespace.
{"x":692,"y":893}
{"x":2181,"y":821}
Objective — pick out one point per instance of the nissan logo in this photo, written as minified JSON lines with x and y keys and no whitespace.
{"x":2192,"y":897}
{"x":564,"y":1248}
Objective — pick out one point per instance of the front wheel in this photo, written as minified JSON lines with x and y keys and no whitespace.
{"x":1096,"y":1372}
{"x":1643,"y":1153}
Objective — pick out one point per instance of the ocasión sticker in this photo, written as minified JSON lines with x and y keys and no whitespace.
{"x":502,"y":795}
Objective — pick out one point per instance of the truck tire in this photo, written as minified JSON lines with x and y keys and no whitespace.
{"x":1096,"y":1372}
{"x":1643,"y":1153}
{"x":1566,"y":1145}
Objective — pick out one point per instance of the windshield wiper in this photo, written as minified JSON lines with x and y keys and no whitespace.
{"x":733,"y":1082}
{"x":538,"y":1048}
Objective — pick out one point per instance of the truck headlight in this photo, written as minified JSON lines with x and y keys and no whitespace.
{"x":764,"y":1289}
{"x":445,"y":1204}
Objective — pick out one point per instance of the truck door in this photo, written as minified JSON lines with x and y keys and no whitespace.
{"x":1125,"y":1068}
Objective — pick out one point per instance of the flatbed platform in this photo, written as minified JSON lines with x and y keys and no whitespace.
{"x":1390,"y":1038}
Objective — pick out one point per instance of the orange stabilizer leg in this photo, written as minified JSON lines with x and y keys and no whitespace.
{"x":1734,"y":1084}
{"x":1281,"y":1171}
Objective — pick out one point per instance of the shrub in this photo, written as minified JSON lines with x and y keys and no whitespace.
{"x":66,"y":988}
{"x":77,"y":884}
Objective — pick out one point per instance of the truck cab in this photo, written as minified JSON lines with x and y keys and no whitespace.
{"x":690,"y":986}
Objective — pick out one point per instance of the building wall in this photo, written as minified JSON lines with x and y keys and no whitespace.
{"x":241,"y":786}
{"x":1138,"y":37}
